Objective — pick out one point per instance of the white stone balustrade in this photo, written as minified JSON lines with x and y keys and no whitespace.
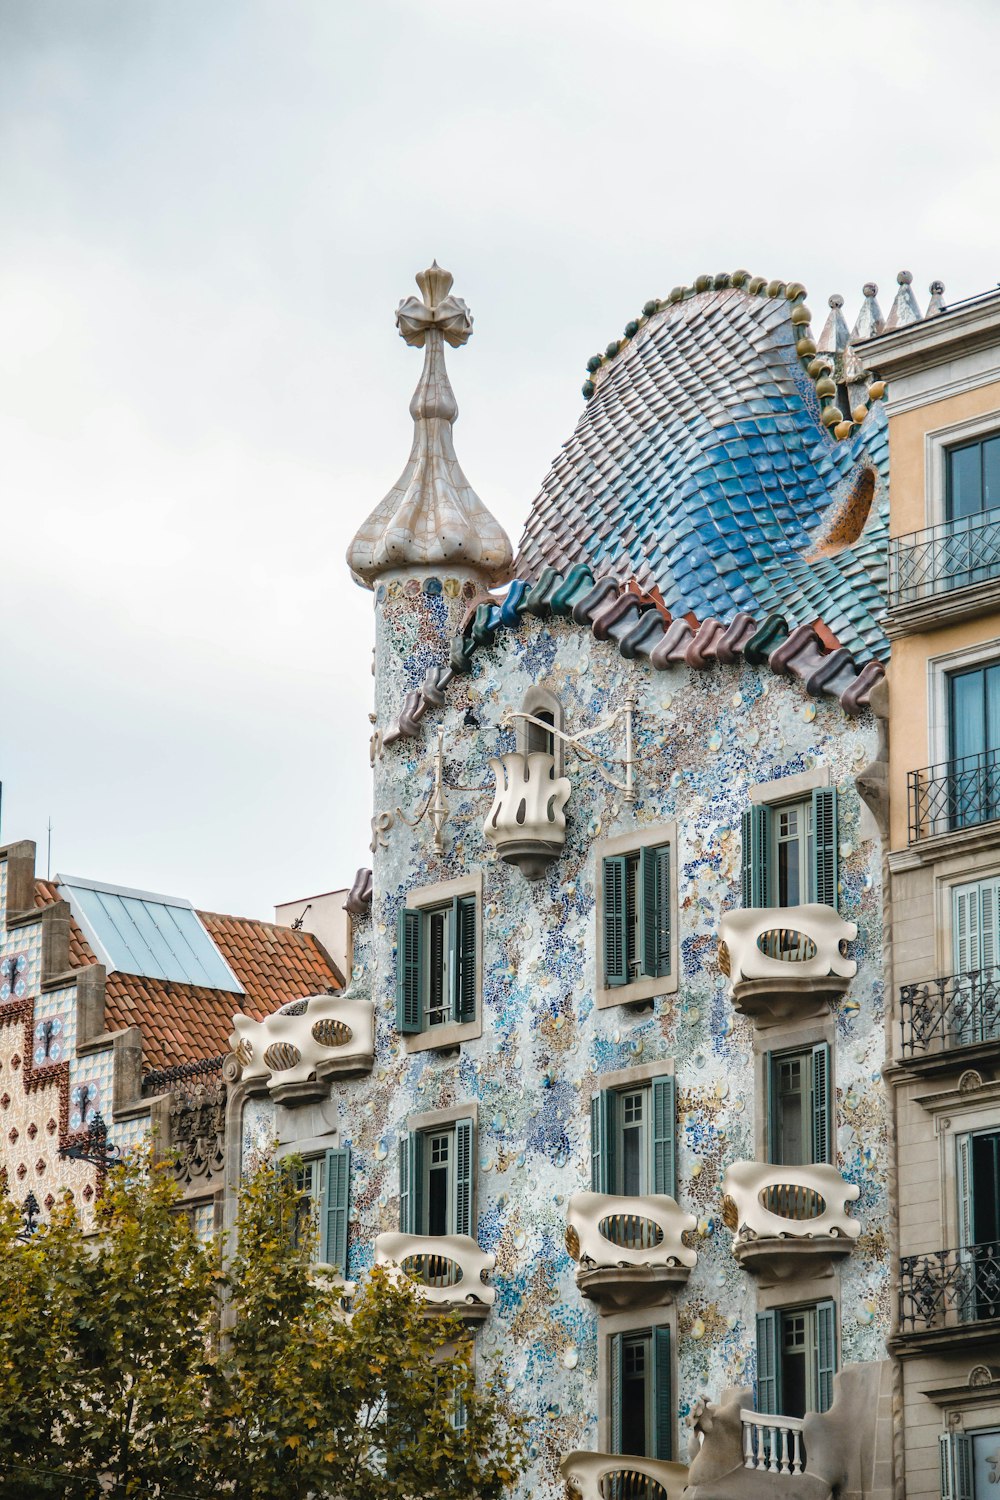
{"x":597,"y":1476}
{"x":605,"y":1230}
{"x":449,"y":1270}
{"x":527,"y":821}
{"x":772,"y":1444}
{"x":785,"y":961}
{"x":320,"y":1034}
{"x":763,"y":1201}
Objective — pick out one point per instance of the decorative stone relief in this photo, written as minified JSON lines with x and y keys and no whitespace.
{"x":198,"y":1131}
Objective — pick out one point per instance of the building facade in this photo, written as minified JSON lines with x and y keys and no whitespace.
{"x":939,"y":781}
{"x":607,"y":1073}
{"x":115,"y":1011}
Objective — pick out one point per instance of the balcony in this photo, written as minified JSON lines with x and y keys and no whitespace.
{"x":449,"y":1270}
{"x":949,"y":1298}
{"x":785,"y":963}
{"x":788,"y":1221}
{"x":611,"y":1476}
{"x":954,"y":795}
{"x":630,"y":1252}
{"x":942,"y":1017}
{"x":527,"y":822}
{"x":772,"y":1445}
{"x":304,"y":1044}
{"x":943,"y":572}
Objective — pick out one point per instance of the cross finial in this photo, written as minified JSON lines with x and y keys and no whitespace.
{"x":434,"y":308}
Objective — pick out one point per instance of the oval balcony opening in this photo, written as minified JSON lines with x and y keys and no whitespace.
{"x":631,"y":1484}
{"x":281,"y":1055}
{"x":631,"y":1232}
{"x":431,"y":1270}
{"x":792,"y":1201}
{"x":244,"y":1053}
{"x":787,"y":945}
{"x":331,"y":1033}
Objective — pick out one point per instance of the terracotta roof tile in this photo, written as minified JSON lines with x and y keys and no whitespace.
{"x":186,"y":1022}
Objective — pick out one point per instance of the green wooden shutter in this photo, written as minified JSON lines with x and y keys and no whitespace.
{"x":337,"y":1188}
{"x":615,"y":1357}
{"x":409,"y":971}
{"x":463,"y":958}
{"x":963,"y":1146}
{"x":665,"y":1135}
{"x":956,"y":1466}
{"x":463,"y":1176}
{"x":772,"y":1146}
{"x":756,"y":826}
{"x":824,"y":811}
{"x":768,"y":1373}
{"x":822,"y":1104}
{"x":411,"y":1183}
{"x":603,"y":1124}
{"x":615,"y":875}
{"x":654,"y":911}
{"x":826,"y":1353}
{"x":663,"y":1401}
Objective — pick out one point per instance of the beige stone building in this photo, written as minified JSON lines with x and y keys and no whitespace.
{"x":939,"y":794}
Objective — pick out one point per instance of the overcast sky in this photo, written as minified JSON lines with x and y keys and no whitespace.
{"x":208,"y":212}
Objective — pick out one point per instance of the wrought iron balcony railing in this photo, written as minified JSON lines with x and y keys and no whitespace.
{"x":938,"y":1015}
{"x":955,"y":794}
{"x":942,"y":558}
{"x":949,"y":1288}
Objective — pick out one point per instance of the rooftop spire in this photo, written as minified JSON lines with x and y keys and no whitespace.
{"x":432,"y":517}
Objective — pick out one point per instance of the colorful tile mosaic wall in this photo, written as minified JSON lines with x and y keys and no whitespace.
{"x":703,"y":739}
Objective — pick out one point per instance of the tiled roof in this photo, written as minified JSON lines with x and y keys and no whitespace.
{"x":185,"y":1022}
{"x":705,"y":466}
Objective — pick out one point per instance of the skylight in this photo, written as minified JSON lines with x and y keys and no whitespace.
{"x":136,"y":932}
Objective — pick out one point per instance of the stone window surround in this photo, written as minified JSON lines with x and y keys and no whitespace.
{"x":938,"y":670}
{"x":608,"y":996}
{"x":790,"y":1037}
{"x":540,"y":699}
{"x":936,"y":444}
{"x":630,"y":1322}
{"x":957,"y":1112}
{"x":789,"y":788}
{"x":429,"y":1120}
{"x":959,"y":869}
{"x":626,"y":1078}
{"x":453,"y":1033}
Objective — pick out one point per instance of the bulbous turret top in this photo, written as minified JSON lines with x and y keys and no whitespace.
{"x":432,"y":517}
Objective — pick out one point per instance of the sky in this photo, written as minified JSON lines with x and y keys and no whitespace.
{"x":209,"y":210}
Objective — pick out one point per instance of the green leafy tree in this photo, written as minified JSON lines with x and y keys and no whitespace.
{"x":131,"y":1362}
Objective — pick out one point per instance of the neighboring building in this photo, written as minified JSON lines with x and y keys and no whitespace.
{"x":606,"y":1075}
{"x":115,"y":1007}
{"x":327,"y":918}
{"x":941,"y":784}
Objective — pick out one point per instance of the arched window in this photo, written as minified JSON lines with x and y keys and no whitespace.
{"x":544,"y":705}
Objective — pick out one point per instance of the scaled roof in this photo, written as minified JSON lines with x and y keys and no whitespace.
{"x":183,"y":1022}
{"x":706,"y":465}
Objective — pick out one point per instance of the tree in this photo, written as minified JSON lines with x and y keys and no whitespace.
{"x":131,"y":1357}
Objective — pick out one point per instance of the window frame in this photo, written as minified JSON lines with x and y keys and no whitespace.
{"x":452,"y":1033}
{"x":439,"y":1122}
{"x":937,"y":445}
{"x":940,"y":670}
{"x":818,"y":1374}
{"x":539,"y":700}
{"x":812,"y":1050}
{"x":758,"y":825}
{"x":623,"y":1325}
{"x":645,"y":987}
{"x":658,"y":1085}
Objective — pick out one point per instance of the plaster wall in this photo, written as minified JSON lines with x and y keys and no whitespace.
{"x":908,"y":431}
{"x":703,"y":740}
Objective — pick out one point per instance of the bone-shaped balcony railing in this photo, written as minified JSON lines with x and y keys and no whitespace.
{"x":326,"y":1032}
{"x":765,"y":1201}
{"x":612,"y":1476}
{"x":786,"y":943}
{"x":527,"y":821}
{"x":605,"y":1230}
{"x":449,"y":1270}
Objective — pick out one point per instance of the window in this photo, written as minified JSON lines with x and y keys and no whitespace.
{"x":542,"y":704}
{"x":796,"y":1359}
{"x":790,"y":851}
{"x":324,"y":1185}
{"x":975,"y":918}
{"x":970,"y":1464}
{"x":632,"y":1139}
{"x":436,"y":964}
{"x":972,"y":478}
{"x":979,"y":1221}
{"x":637,"y":926}
{"x":799,"y":1105}
{"x":435,"y":1180}
{"x":641,"y":1398}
